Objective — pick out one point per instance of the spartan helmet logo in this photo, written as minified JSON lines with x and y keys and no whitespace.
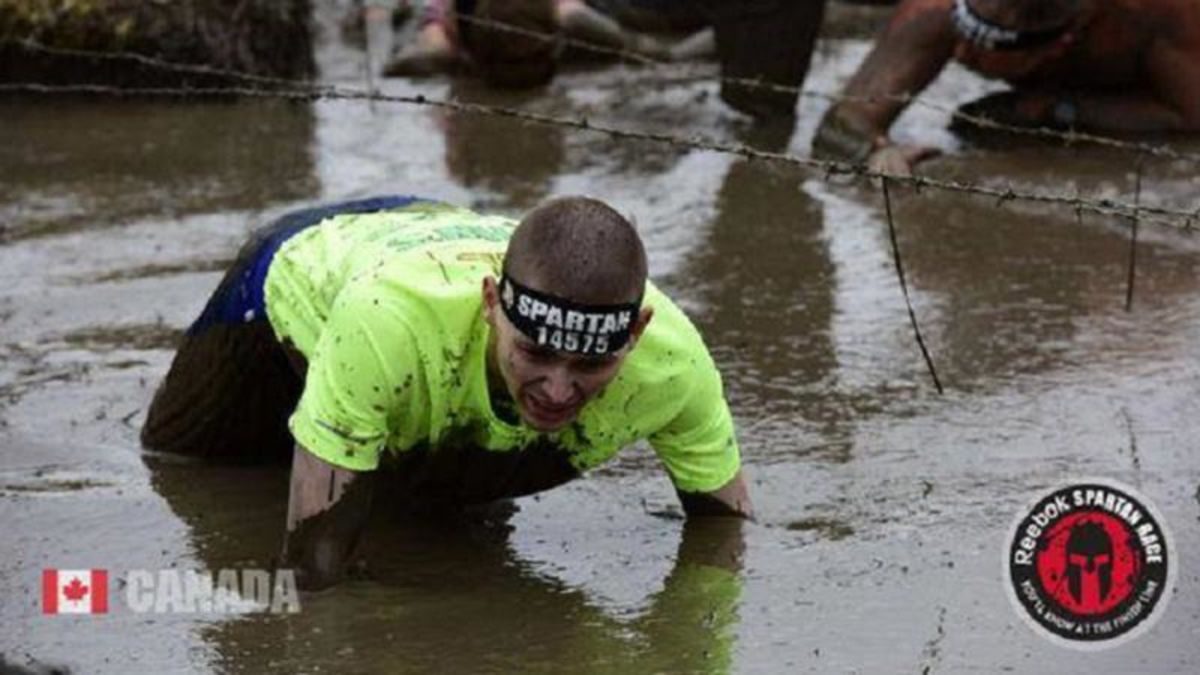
{"x":1089,"y":564}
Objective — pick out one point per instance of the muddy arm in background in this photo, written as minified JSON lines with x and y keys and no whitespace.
{"x":580,"y":22}
{"x":430,"y":52}
{"x":328,"y":508}
{"x":731,"y":499}
{"x":914,"y":47}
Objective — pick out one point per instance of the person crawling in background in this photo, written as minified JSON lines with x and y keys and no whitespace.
{"x":1092,"y":65}
{"x":404,"y":351}
{"x":503,"y":39}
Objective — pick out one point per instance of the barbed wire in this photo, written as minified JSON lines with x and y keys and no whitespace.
{"x":1166,"y":216}
{"x":1069,"y":137}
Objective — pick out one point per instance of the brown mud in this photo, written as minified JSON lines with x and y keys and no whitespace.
{"x":883,"y":507}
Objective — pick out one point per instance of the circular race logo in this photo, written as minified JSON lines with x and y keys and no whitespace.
{"x":1089,"y":565}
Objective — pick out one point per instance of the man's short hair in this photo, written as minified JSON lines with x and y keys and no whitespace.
{"x":579,"y":249}
{"x":512,"y":42}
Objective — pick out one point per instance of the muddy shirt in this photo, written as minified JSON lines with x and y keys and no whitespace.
{"x":387,"y":309}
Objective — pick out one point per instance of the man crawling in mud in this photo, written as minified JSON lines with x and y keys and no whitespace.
{"x":408,"y":350}
{"x":1094,"y":65}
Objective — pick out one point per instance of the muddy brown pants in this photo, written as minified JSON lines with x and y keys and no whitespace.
{"x":228,"y":394}
{"x":768,"y":41}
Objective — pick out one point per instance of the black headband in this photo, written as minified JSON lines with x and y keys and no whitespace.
{"x":562,"y":325}
{"x":983,"y":33}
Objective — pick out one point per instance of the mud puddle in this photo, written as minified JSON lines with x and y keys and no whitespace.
{"x":883,"y":506}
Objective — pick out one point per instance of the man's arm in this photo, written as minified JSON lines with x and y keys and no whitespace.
{"x":731,"y":499}
{"x":914,"y":47}
{"x":581,"y":22}
{"x":328,"y":508}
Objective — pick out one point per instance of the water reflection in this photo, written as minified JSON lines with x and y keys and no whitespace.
{"x":514,"y":163}
{"x":447,"y":592}
{"x":73,"y":164}
{"x":764,"y":283}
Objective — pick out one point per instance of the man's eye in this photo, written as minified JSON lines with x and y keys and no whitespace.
{"x":594,"y":365}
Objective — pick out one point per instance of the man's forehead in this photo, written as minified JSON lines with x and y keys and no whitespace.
{"x":525,"y":342}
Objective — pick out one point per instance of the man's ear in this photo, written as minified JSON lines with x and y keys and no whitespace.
{"x":491,"y":298}
{"x":643,"y":320}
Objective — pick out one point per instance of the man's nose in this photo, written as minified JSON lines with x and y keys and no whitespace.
{"x":560,"y":387}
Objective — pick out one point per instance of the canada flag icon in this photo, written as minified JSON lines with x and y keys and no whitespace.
{"x":74,"y":591}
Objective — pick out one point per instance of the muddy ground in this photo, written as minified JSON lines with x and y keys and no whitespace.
{"x":883,"y":506}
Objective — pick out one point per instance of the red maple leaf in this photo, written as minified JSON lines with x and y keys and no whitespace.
{"x":75,"y":590}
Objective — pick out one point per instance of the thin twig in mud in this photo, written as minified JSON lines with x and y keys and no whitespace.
{"x":1133,"y":234}
{"x":912,"y":315}
{"x":127,"y":419}
{"x":1133,"y":448}
{"x":369,"y":78}
{"x":368,"y":64}
{"x":933,"y":648}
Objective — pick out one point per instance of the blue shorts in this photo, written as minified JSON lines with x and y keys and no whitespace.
{"x":239,"y":298}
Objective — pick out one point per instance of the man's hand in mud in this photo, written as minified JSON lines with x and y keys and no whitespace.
{"x":1009,"y":108}
{"x":419,"y":62}
{"x":328,"y":508}
{"x":899,"y":159}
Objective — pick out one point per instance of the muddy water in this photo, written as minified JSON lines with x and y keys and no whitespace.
{"x":883,"y":506}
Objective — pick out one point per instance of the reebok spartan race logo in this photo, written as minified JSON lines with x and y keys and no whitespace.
{"x":1089,"y":565}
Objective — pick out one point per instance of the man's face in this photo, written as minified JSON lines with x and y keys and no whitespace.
{"x":1011,"y":66}
{"x":549,"y":387}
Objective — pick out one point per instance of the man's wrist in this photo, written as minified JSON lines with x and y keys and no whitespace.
{"x":838,"y":139}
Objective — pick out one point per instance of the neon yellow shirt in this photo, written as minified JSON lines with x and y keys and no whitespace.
{"x":387,"y":309}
